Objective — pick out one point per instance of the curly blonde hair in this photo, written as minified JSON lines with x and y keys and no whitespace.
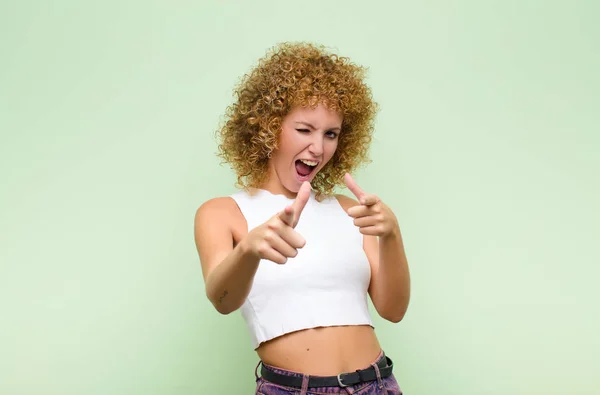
{"x":297,"y":74}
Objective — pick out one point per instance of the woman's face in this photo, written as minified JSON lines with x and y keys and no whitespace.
{"x":308,"y":140}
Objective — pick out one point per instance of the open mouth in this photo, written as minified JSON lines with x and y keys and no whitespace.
{"x":305,"y":168}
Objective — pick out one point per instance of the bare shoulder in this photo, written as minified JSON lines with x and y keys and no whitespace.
{"x":220,"y":212}
{"x":346,"y":202}
{"x":218,"y":206}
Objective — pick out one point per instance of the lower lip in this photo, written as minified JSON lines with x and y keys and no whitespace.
{"x":306,"y":177}
{"x":303,"y":178}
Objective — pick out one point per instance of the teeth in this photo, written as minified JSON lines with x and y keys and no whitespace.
{"x":308,"y":162}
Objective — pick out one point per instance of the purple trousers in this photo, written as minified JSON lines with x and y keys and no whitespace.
{"x":381,"y":386}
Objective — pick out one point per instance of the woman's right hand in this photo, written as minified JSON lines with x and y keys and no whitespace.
{"x":276,"y":239}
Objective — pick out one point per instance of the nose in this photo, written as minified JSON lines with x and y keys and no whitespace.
{"x":316,"y":145}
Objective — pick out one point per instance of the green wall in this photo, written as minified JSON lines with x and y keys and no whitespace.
{"x":486,"y":147}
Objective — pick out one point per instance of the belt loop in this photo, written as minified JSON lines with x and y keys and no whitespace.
{"x":379,"y":381}
{"x":304,"y":389}
{"x":256,"y":370}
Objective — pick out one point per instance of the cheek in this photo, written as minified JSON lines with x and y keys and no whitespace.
{"x":288,"y":141}
{"x":283,"y":147}
{"x":331,"y":148}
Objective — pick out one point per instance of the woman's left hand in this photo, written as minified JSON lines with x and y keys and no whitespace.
{"x":371,"y":216}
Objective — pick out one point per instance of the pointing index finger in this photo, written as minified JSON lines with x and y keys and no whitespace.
{"x":354,"y":188}
{"x":301,"y":200}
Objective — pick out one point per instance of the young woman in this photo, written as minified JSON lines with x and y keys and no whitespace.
{"x":296,"y":259}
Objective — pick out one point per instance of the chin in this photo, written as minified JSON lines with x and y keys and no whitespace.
{"x":293,"y":186}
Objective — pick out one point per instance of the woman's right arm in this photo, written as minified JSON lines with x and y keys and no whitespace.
{"x":228,"y":271}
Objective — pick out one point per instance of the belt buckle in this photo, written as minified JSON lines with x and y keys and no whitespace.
{"x":340,"y":381}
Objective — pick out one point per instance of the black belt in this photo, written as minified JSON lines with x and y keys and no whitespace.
{"x":341,"y":380}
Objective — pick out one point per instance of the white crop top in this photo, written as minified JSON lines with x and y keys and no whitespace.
{"x":326,"y":284}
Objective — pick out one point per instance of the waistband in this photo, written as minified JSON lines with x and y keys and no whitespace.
{"x":377,"y":370}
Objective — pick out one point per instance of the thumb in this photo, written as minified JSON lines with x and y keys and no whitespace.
{"x":301,"y":200}
{"x":354,"y":188}
{"x":287,"y":215}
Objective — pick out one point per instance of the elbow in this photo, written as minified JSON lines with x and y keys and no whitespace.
{"x":219,"y":304}
{"x":395,"y":314}
{"x":395,"y":318}
{"x":223,"y":308}
{"x":219,"y":307}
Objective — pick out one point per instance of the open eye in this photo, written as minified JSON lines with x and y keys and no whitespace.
{"x":331,"y":135}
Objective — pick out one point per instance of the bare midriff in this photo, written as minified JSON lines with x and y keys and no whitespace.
{"x":323,"y":351}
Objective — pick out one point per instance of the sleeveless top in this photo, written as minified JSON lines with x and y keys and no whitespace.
{"x":326,"y":284}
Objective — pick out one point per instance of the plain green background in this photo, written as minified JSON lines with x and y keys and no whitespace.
{"x":486,"y":147}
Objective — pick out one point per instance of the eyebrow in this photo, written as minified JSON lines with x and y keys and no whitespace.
{"x":312,"y":127}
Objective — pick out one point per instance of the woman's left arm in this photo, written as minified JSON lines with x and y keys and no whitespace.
{"x":390,"y":277}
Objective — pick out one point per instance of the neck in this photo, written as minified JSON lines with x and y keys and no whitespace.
{"x":274,"y":185}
